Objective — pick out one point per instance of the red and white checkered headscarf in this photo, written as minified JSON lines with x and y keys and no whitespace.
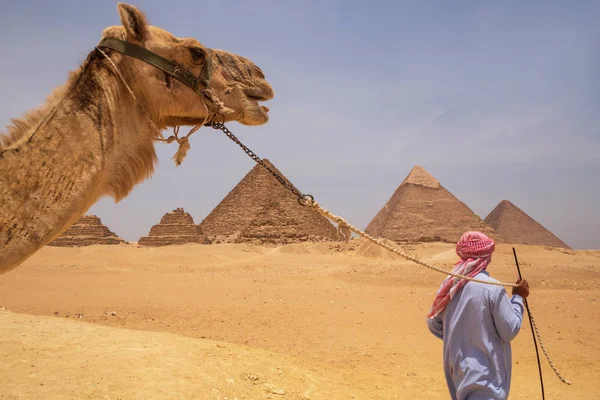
{"x":475,"y":251}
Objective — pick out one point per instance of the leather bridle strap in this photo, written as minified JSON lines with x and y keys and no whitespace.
{"x":169,"y":67}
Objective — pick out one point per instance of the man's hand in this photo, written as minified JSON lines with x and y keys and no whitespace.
{"x":523,"y":288}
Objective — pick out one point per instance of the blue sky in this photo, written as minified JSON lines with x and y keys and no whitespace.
{"x":498,"y":100}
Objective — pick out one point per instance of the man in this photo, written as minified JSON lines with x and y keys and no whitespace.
{"x":476,"y":321}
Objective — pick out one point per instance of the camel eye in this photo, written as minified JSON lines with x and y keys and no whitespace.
{"x":197,"y":53}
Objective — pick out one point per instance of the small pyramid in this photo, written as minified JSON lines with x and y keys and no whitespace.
{"x":87,"y":231}
{"x":175,"y":227}
{"x":517,"y":227}
{"x":260,"y":210}
{"x":422,"y":210}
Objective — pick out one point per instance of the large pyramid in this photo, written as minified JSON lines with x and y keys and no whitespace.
{"x":519,"y":228}
{"x":422,"y":210}
{"x":260,"y":210}
{"x":175,"y":227}
{"x":88,"y":230}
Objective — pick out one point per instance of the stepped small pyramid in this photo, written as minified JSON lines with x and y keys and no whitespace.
{"x":175,"y":227}
{"x":517,"y":227}
{"x":88,"y":230}
{"x":260,"y":210}
{"x":422,"y":210}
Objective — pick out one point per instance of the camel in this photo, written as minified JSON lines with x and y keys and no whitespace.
{"x":94,"y":136}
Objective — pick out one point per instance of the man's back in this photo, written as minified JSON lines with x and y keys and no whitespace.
{"x":477,"y":327}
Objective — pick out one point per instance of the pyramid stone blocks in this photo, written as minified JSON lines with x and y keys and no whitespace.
{"x":260,"y":210}
{"x":517,"y":227}
{"x":88,"y":230}
{"x":176,"y":227}
{"x":422,"y":210}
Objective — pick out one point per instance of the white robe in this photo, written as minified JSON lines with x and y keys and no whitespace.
{"x":477,"y":327}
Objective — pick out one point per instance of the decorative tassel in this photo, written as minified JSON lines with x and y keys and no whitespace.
{"x":184,"y":143}
{"x":184,"y":146}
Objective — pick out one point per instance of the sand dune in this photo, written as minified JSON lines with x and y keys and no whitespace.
{"x":318,"y":321}
{"x":46,"y":357}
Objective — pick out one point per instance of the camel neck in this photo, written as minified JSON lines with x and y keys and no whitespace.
{"x":67,"y":163}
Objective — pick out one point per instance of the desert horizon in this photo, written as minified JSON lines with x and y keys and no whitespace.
{"x":309,"y":320}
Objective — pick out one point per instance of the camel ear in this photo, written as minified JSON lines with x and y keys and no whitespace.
{"x":134,"y":22}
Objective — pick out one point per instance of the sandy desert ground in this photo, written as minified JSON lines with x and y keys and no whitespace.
{"x":304,"y":321}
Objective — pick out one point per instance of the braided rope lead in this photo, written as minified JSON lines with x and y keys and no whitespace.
{"x":539,"y":338}
{"x":345,"y":229}
{"x":343,"y":225}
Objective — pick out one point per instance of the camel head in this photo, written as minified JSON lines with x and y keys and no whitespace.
{"x":95,"y":135}
{"x":236,"y":82}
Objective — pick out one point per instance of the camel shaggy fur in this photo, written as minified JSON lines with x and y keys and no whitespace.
{"x":91,"y":138}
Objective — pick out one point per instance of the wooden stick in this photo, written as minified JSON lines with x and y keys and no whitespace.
{"x":532,"y":331}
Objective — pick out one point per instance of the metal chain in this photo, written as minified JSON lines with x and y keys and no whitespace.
{"x":303,"y":199}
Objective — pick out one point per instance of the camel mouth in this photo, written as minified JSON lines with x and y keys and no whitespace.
{"x":257,"y":94}
{"x":254,"y":100}
{"x":257,"y":98}
{"x":254,"y":113}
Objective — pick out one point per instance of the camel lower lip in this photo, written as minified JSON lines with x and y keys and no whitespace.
{"x":255,"y":101}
